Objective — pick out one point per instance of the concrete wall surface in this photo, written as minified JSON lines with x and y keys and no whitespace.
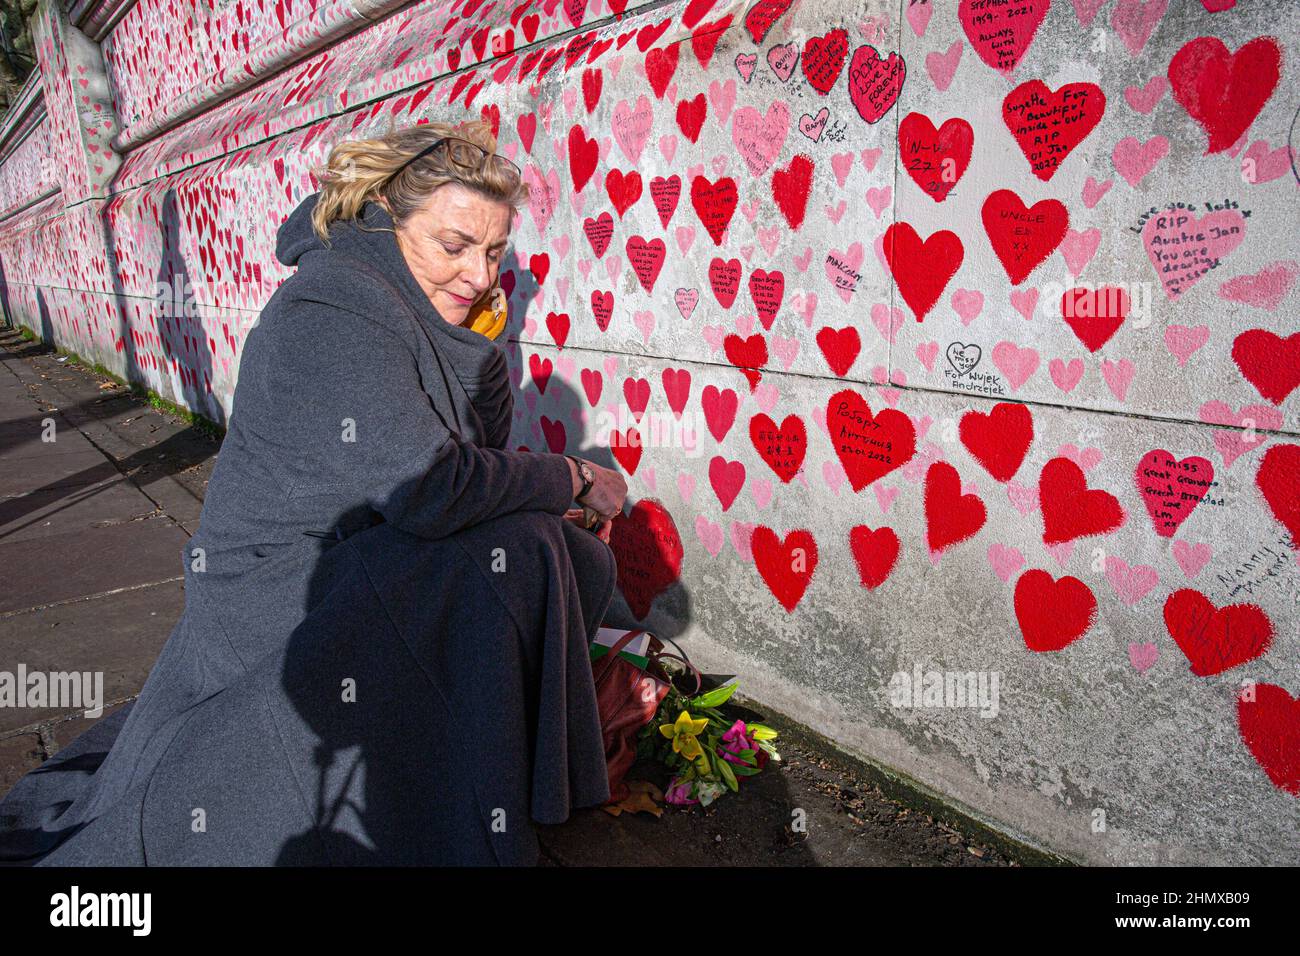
{"x":947,"y":345}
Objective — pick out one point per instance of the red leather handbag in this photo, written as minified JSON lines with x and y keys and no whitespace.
{"x":627,"y":697}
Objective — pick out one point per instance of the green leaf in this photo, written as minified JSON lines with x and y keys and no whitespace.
{"x":743,"y":770}
{"x":715,"y":697}
{"x":728,"y":775}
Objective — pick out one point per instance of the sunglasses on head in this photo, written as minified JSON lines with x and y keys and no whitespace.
{"x":468,"y":156}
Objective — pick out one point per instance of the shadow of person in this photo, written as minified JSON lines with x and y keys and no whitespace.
{"x":177,"y":315}
{"x":645,"y":538}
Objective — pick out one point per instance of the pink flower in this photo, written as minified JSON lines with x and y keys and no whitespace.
{"x":735,"y":740}
{"x":679,"y":793}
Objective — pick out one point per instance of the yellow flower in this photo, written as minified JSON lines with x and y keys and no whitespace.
{"x":683,"y":735}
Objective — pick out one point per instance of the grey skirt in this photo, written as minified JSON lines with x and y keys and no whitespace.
{"x":435,"y":701}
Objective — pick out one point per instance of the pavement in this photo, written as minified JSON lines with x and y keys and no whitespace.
{"x":92,"y":524}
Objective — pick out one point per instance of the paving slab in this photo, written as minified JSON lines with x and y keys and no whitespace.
{"x":18,"y":476}
{"x":118,"y":635}
{"x":47,"y":512}
{"x":18,"y":754}
{"x":76,"y":564}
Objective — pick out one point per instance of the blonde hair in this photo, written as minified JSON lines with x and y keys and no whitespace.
{"x":364,"y":170}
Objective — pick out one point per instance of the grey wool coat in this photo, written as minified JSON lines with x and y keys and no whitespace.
{"x":384,"y":652}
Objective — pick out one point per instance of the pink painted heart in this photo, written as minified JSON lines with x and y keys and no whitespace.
{"x":1143,"y":99}
{"x":1023,"y":499}
{"x":887,"y":321}
{"x":942,"y":66}
{"x":1135,"y":20}
{"x":1143,"y":655}
{"x":1093,"y":191}
{"x":1192,"y":558}
{"x":1132,"y":584}
{"x":745,"y":63}
{"x":1015,"y":363}
{"x":926,"y":353}
{"x":812,"y":126}
{"x":1025,"y":301}
{"x":967,"y":303}
{"x":1118,"y":376}
{"x":1183,"y":247}
{"x":1184,"y":341}
{"x":1264,"y":289}
{"x":1243,"y":436}
{"x":842,"y":269}
{"x":1086,"y":10}
{"x":918,"y":17}
{"x":1078,"y":248}
{"x":879,"y":198}
{"x":782,"y":59}
{"x":1134,"y":160}
{"x":885,"y":496}
{"x":1065,"y":376}
{"x":710,"y":535}
{"x":1006,"y":561}
{"x":686,"y":300}
{"x":1259,"y":164}
{"x":759,"y":137}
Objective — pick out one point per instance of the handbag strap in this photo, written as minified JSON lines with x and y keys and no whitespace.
{"x":691,"y":668}
{"x":605,"y":663}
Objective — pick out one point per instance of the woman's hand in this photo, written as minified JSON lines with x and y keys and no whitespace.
{"x":579,"y":517}
{"x":607,"y":493}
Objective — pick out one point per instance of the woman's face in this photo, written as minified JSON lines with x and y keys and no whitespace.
{"x":454,"y":247}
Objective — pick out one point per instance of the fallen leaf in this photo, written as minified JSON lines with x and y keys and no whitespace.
{"x":642,"y":795}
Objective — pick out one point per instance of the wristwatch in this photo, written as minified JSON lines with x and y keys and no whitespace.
{"x":588,"y":477}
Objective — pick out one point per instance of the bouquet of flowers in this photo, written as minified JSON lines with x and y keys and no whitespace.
{"x":707,"y":751}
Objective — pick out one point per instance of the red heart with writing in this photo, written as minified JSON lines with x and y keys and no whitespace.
{"x":1001,"y":34}
{"x":868,"y":446}
{"x":935,"y":159}
{"x":602,"y":307}
{"x":1270,"y":728}
{"x":665,"y":193}
{"x":1070,"y":509}
{"x":647,"y":259}
{"x":1171,"y":489}
{"x":783,"y":448}
{"x":761,"y":16}
{"x":786,"y":566}
{"x":1053,"y":614}
{"x":1023,"y":237}
{"x":714,"y":203}
{"x":1048,"y":124}
{"x":1223,"y":91}
{"x":1216,"y":639}
{"x":648,"y":550}
{"x":950,"y":516}
{"x":598,"y":232}
{"x":724,"y":279}
{"x":823,"y":59}
{"x":875,"y":552}
{"x":922,"y":268}
{"x":767,"y":289}
{"x":999,"y":440}
{"x":874,"y":83}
